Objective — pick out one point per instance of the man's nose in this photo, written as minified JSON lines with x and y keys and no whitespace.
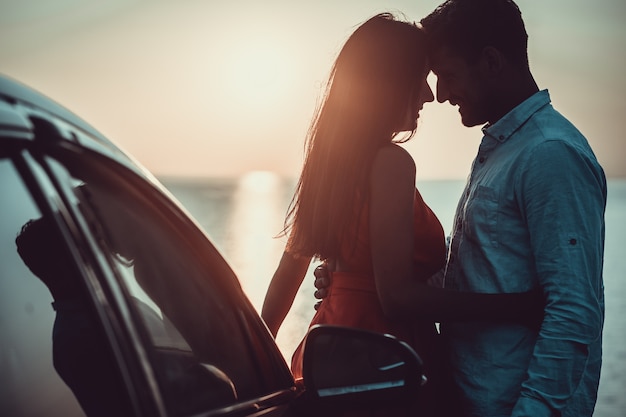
{"x":442,"y":92}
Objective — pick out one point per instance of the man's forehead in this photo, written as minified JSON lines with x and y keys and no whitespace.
{"x":444,"y":59}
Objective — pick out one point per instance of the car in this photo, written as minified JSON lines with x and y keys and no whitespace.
{"x":114,"y":302}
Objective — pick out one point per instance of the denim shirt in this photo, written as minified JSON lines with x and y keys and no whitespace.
{"x":531,"y":216}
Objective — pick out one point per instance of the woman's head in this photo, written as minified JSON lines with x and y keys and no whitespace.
{"x":376,"y":87}
{"x":376,"y":75}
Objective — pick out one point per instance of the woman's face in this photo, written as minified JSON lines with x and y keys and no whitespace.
{"x":421,"y":94}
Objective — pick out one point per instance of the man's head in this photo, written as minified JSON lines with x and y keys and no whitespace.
{"x":478,"y":51}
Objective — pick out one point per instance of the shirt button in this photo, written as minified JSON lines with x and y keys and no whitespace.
{"x":501,"y":137}
{"x":481,"y":159}
{"x":572,"y":241}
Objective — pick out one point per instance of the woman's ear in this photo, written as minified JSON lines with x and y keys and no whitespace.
{"x":492,"y":61}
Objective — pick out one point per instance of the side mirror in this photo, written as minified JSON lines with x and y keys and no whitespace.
{"x":345,"y":368}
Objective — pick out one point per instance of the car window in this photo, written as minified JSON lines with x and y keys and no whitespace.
{"x":51,"y":346}
{"x":183,"y":294}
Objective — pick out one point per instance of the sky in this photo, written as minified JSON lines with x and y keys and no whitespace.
{"x":221,"y":88}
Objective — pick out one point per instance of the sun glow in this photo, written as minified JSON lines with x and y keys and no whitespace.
{"x":261,"y":72}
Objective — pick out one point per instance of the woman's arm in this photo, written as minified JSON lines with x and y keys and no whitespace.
{"x":282,"y":290}
{"x":391,"y":234}
{"x":392,"y":194}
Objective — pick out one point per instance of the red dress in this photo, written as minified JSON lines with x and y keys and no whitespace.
{"x":352,"y":300}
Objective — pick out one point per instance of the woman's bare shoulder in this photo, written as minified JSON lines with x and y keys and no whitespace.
{"x":394,"y":159}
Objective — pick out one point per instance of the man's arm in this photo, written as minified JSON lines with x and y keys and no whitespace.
{"x":322,"y":275}
{"x":562,"y":194}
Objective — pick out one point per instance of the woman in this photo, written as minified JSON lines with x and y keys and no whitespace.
{"x":356,"y":204}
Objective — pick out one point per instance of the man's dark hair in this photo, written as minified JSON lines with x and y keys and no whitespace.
{"x":466,"y":27}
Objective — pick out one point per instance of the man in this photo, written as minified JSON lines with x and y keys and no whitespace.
{"x":531,"y":216}
{"x":533,"y":207}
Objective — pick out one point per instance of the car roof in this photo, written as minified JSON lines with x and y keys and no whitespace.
{"x":19,"y":103}
{"x":15,"y":91}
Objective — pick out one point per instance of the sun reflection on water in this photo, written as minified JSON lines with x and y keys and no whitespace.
{"x":259,"y":204}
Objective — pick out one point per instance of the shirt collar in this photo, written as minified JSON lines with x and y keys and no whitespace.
{"x":513,"y":120}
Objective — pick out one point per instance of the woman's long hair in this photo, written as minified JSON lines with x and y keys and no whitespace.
{"x":367,"y":95}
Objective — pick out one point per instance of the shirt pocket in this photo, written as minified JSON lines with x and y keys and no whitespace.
{"x":481,"y":216}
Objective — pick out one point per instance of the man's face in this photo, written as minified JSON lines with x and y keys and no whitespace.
{"x":462,"y":85}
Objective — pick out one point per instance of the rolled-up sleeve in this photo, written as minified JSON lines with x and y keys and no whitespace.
{"x":562,"y":192}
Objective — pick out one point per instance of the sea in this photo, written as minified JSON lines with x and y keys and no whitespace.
{"x":244,"y":219}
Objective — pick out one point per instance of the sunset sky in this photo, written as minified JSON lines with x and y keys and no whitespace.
{"x":221,"y":88}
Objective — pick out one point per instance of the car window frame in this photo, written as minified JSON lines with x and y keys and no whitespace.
{"x":43,"y":184}
{"x":118,"y":299}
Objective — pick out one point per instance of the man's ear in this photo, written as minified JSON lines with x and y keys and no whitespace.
{"x":492,"y":61}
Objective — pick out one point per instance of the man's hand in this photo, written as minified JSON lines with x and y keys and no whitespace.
{"x":322,"y":281}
